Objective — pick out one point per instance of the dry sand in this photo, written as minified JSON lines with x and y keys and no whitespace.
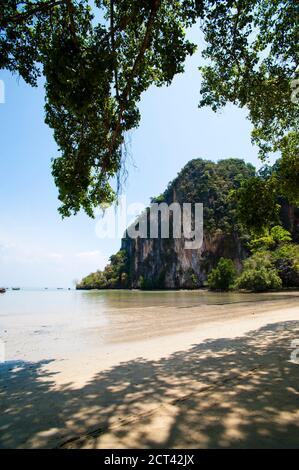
{"x":228,"y":382}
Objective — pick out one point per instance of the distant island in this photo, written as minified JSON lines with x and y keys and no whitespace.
{"x":231,"y":255}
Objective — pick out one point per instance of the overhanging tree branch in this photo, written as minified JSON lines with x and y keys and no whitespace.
{"x":112,"y":33}
{"x":125,"y":94}
{"x":19,"y":18}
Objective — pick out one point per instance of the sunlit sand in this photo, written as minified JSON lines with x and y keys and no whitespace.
{"x":180,"y":369}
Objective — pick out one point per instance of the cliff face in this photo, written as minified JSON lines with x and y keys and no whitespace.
{"x":156,"y":263}
{"x":290,"y":218}
{"x":166,"y":263}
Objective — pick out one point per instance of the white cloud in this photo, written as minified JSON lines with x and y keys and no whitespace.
{"x":23,"y":263}
{"x":6,"y":246}
{"x":88,"y":261}
{"x":89,"y":254}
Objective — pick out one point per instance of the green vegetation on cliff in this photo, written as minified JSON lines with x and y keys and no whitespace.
{"x":114,"y":276}
{"x":274,"y":263}
{"x":202,"y":181}
{"x":274,"y":260}
{"x":211,"y":184}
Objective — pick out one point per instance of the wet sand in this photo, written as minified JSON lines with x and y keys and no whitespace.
{"x":186,"y":375}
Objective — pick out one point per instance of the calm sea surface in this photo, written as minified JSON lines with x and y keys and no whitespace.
{"x":36,"y":324}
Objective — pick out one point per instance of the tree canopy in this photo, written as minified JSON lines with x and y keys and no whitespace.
{"x":98,"y":58}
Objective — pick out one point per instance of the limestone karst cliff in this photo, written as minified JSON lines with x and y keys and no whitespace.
{"x":165,"y":263}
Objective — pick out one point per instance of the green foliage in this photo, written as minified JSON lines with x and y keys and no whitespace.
{"x":286,"y":260}
{"x":252,"y":49}
{"x":194,"y":280}
{"x":259,"y":280}
{"x":266,"y":270}
{"x":115,"y":275}
{"x":146,"y":283}
{"x":276,"y":236}
{"x":288,"y":251}
{"x":259,"y":274}
{"x":96,"y":71}
{"x":257,"y":206}
{"x":275,"y":260}
{"x":211,"y":184}
{"x":261,"y":243}
{"x":199,"y":181}
{"x":287,"y":171}
{"x":280,"y":235}
{"x":223,"y":276}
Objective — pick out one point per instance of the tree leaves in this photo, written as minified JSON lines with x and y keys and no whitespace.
{"x":98,"y":62}
{"x":253,"y":59}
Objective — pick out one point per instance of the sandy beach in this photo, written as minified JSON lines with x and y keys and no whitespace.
{"x":224,"y":378}
{"x":149,"y":236}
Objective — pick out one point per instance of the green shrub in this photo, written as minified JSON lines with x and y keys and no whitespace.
{"x":288,"y":251}
{"x":156,"y":282}
{"x":194,"y":280}
{"x":142,"y":283}
{"x":259,"y":274}
{"x":277,"y":235}
{"x":147,"y":284}
{"x":222,"y":277}
{"x":262,"y":243}
{"x":280,"y":235}
{"x":286,"y":260}
{"x":259,"y":280}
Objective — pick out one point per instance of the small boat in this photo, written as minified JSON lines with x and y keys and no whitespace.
{"x":2,"y":290}
{"x":16,"y":288}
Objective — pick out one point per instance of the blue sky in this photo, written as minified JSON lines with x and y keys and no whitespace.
{"x":37,"y":247}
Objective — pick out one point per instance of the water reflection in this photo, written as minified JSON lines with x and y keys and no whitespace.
{"x":41,"y":324}
{"x":139,"y":299}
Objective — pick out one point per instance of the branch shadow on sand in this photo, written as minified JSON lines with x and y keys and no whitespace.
{"x":241,"y":392}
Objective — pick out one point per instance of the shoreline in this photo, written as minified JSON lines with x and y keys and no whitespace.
{"x":142,"y":379}
{"x":198,"y":289}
